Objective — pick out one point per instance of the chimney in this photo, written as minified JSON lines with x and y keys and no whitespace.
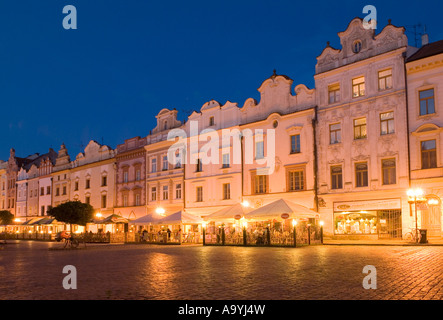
{"x":424,"y":39}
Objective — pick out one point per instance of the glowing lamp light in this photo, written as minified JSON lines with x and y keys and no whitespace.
{"x":160,"y":211}
{"x":294,"y":222}
{"x":98,"y":215}
{"x":245,"y":203}
{"x":245,"y":224}
{"x":322,"y":223}
{"x":204,"y":225}
{"x":17,"y":220}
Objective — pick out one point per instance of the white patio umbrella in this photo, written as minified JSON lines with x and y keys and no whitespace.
{"x":228,"y":213}
{"x":179,"y":217}
{"x":276,"y":209}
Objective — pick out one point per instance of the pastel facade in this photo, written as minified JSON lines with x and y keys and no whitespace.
{"x":425,"y":95}
{"x":130,"y":180}
{"x":3,"y":183}
{"x":61,"y":175}
{"x":164,"y":176}
{"x":93,"y":177}
{"x":362,"y":134}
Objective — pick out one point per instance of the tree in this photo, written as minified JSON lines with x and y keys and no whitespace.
{"x":6,"y":217}
{"x":72,"y":212}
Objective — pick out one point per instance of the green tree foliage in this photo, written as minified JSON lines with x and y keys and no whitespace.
{"x":72,"y":212}
{"x":6,"y":217}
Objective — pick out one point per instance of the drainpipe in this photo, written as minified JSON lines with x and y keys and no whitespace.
{"x":242,"y":167}
{"x":315,"y":169}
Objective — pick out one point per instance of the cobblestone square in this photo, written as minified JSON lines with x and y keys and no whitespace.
{"x":29,"y":270}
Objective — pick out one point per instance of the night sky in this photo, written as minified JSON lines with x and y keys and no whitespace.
{"x":129,"y":59}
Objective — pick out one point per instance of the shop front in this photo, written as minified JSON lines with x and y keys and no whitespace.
{"x":375,"y":219}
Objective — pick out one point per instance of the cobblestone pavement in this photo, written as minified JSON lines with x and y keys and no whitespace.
{"x":29,"y":270}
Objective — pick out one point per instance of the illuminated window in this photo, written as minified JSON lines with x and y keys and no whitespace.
{"x":386,"y":123}
{"x":358,"y":87}
{"x":334,"y":93}
{"x":385,"y":79}
{"x":359,"y":128}
{"x":296,"y":180}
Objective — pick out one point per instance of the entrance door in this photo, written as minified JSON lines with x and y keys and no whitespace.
{"x":389,"y":224}
{"x":431,"y":221}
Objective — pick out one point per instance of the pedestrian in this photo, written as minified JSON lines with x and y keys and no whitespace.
{"x":169,"y":234}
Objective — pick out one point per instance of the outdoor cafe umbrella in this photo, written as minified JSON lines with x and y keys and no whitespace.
{"x":179,"y":217}
{"x":113,"y":218}
{"x":277,"y":208}
{"x":228,"y":213}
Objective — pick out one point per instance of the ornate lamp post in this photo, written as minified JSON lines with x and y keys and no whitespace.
{"x":415,"y":196}
{"x":204,"y":232}
{"x":321,"y":231}
{"x":294,"y":224}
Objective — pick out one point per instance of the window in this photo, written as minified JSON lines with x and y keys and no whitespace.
{"x":334,"y":93}
{"x":125,"y":200}
{"x":211,"y":121}
{"x":336,"y":177}
{"x":388,"y":171}
{"x":57,"y":192}
{"x":385,"y":79}
{"x":386,"y":123}
{"x":48,"y":190}
{"x":125,"y":176}
{"x":165,"y":163}
{"x":178,"y":160}
{"x":165,"y":192}
{"x":295,"y":143}
{"x":428,"y":154}
{"x":154,"y":193}
{"x":199,"y":193}
{"x":88,"y":200}
{"x":42,"y":210}
{"x":165,"y":125}
{"x":427,"y":102}
{"x":226,"y":191}
{"x":359,"y":128}
{"x":335,"y":133}
{"x":358,"y":87}
{"x":64,"y":190}
{"x":356,"y":46}
{"x":42,"y":191}
{"x":104,"y":201}
{"x":199,"y":166}
{"x":259,"y":150}
{"x":225,"y":160}
{"x":104,"y":181}
{"x":137,"y":199}
{"x":88,"y":183}
{"x":361,"y":174}
{"x":137,"y":174}
{"x":154,"y":165}
{"x":76,"y":186}
{"x":260,"y":184}
{"x":178,"y":191}
{"x":296,"y":180}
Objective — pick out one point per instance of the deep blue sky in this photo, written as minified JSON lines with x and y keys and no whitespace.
{"x":129,"y":59}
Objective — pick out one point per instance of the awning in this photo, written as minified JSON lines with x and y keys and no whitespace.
{"x":113,"y":218}
{"x":276,"y":209}
{"x":31,"y":221}
{"x":175,"y":218}
{"x":229,"y":213}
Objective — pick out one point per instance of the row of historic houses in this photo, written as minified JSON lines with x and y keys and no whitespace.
{"x":349,"y":149}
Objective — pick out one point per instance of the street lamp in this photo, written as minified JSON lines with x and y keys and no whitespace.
{"x":204,"y":232}
{"x":245,"y":225}
{"x":321,"y":231}
{"x":294,"y":224}
{"x":415,"y":196}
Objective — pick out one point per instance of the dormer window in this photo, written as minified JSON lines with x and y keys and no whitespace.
{"x":211,"y":121}
{"x":356,"y":46}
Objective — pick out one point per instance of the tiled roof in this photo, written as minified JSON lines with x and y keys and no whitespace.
{"x":427,"y":50}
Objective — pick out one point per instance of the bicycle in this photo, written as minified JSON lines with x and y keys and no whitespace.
{"x":412,"y":235}
{"x":68,"y":239}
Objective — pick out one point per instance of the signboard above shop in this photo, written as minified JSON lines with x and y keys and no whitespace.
{"x":385,"y":204}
